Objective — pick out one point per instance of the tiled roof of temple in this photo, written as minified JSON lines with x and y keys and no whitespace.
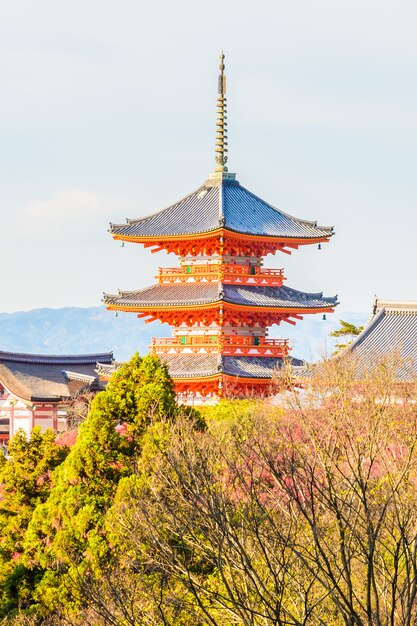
{"x":35,"y":377}
{"x":221,"y":204}
{"x":182,"y":294}
{"x":204,"y":365}
{"x":391,"y":331}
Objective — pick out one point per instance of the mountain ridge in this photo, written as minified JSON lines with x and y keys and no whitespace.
{"x":83,"y":330}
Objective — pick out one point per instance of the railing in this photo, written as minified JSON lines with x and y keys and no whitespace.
{"x":227,"y":345}
{"x":228,"y":273}
{"x":251,"y":341}
{"x":202,"y":340}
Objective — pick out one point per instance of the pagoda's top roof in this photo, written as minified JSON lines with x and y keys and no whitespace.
{"x":48,"y":378}
{"x":391,"y":331}
{"x":192,"y":294}
{"x":220,"y":203}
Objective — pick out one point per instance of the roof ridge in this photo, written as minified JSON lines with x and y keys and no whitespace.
{"x":396,"y":306}
{"x":136,"y":220}
{"x":222,"y":220}
{"x":288,"y":215}
{"x":286,"y":288}
{"x":373,"y":322}
{"x":194,"y":293}
{"x":64,"y":359}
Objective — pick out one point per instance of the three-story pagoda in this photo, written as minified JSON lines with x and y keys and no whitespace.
{"x":220,"y":299}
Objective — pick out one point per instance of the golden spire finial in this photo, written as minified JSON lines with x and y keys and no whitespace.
{"x":221,"y":123}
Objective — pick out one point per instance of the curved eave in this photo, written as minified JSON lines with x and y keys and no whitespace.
{"x":221,"y":376}
{"x":196,"y":378}
{"x":222,"y":232}
{"x":328,"y":308}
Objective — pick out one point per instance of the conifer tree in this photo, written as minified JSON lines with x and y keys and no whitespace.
{"x":66,"y":539}
{"x":348,"y":331}
{"x":25,"y":481}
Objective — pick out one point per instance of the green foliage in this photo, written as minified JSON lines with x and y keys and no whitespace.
{"x":25,"y":479}
{"x":229,"y":410}
{"x":306,"y":515}
{"x":346,"y":330}
{"x":66,"y":538}
{"x":141,"y":391}
{"x":233,"y":417}
{"x":245,"y":513}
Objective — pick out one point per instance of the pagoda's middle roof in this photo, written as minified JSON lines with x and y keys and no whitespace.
{"x":183,"y":294}
{"x":221,"y":204}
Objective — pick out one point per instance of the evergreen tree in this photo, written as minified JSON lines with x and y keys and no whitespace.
{"x":25,"y":481}
{"x":66,"y":540}
{"x":347,"y":331}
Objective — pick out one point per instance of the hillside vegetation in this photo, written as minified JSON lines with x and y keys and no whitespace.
{"x":301,"y":511}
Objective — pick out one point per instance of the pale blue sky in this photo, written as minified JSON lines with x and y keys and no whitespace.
{"x":107,"y":110}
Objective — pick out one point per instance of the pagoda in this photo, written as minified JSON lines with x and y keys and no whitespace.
{"x":220,"y":299}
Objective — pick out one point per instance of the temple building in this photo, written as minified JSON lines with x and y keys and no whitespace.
{"x":37,"y":390}
{"x":220,"y":299}
{"x":390,"y":333}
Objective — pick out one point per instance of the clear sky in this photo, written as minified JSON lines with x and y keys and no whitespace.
{"x":107,"y":111}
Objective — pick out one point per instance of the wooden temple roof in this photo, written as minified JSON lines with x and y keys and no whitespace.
{"x":49,"y":378}
{"x":220,"y":204}
{"x":205,"y":365}
{"x":391,"y":331}
{"x":194,"y":294}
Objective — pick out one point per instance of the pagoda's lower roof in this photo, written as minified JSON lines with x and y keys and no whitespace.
{"x":206,"y":365}
{"x":220,"y":204}
{"x":201,"y":366}
{"x":199,"y":294}
{"x":48,"y":378}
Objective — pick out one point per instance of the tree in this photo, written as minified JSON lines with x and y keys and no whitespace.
{"x":202,"y":535}
{"x":25,"y":481}
{"x":305,"y":517}
{"x":66,"y":540}
{"x":349,"y":469}
{"x":347,"y":330}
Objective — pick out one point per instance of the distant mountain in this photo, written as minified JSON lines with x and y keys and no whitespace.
{"x":76,"y":330}
{"x":310,"y":338}
{"x":83,"y":330}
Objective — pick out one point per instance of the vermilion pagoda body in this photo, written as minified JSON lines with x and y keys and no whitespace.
{"x":219,"y":299}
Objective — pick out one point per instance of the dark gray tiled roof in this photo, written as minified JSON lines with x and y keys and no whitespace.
{"x":226,"y":204}
{"x":202,"y":365}
{"x":206,"y":293}
{"x":255,"y":367}
{"x":391,"y":331}
{"x":181,"y":293}
{"x":56,"y":359}
{"x":36,"y":377}
{"x":280,"y":297}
